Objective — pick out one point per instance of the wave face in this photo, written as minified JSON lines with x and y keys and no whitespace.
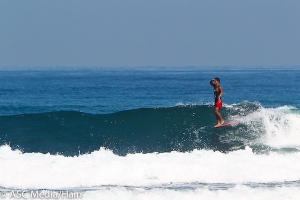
{"x":147,"y":130}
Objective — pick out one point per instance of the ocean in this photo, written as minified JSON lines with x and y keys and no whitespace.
{"x":147,"y":133}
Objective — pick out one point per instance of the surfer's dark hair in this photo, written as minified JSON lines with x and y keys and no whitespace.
{"x":218,"y":79}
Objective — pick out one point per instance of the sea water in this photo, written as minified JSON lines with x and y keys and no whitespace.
{"x":147,"y":133}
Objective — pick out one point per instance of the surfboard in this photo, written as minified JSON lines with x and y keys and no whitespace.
{"x":232,"y":123}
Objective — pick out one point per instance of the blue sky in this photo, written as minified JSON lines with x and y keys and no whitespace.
{"x":150,"y":33}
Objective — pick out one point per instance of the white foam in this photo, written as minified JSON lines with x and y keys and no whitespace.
{"x":239,"y":192}
{"x":36,"y":170}
{"x":278,"y":127}
{"x":187,"y":104}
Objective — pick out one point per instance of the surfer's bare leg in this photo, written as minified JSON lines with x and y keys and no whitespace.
{"x":218,"y":116}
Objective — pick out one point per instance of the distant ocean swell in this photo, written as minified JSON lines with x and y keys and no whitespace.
{"x":146,"y":130}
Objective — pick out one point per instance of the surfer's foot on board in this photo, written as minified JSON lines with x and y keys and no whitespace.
{"x":219,"y":123}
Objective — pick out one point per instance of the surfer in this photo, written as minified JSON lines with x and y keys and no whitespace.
{"x":218,"y":92}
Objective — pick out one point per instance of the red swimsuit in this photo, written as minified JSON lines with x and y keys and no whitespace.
{"x":218,"y":103}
